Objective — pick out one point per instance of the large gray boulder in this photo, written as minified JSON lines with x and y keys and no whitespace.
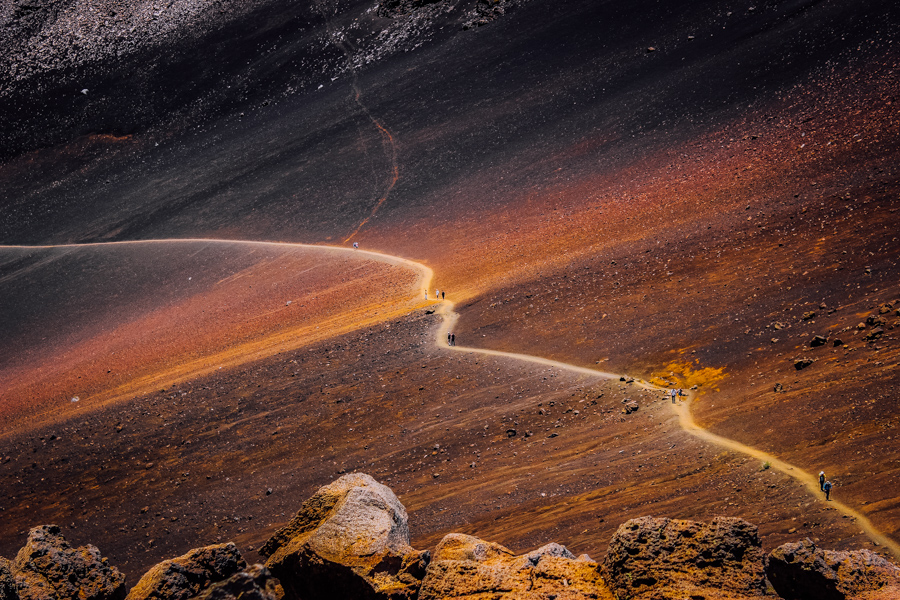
{"x":465,"y":567}
{"x":349,"y":540}
{"x":188,"y":575}
{"x":658,"y":558}
{"x":48,"y":568}
{"x":802,"y":571}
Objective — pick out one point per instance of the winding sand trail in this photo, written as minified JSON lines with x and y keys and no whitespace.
{"x":449,"y":318}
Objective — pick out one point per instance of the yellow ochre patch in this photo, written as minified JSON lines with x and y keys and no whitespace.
{"x":683,"y":374}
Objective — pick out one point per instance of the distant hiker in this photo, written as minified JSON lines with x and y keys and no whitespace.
{"x":437,"y":294}
{"x":442,"y":295}
{"x":356,"y":245}
{"x":452,"y":339}
{"x":822,"y":480}
{"x":449,"y":339}
{"x":681,"y":392}
{"x":426,"y":294}
{"x":674,"y":393}
{"x":826,"y":487}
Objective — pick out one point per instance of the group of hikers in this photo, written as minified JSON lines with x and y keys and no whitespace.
{"x":824,"y":485}
{"x":438,"y":294}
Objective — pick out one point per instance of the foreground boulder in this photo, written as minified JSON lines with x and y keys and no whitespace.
{"x":662,"y":558}
{"x":189,"y":575}
{"x":350,"y":540}
{"x":7,"y":582}
{"x":48,"y":568}
{"x":467,"y":567}
{"x":256,"y":583}
{"x":801,"y":571}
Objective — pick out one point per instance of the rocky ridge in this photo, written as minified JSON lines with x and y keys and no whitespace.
{"x":351,"y":540}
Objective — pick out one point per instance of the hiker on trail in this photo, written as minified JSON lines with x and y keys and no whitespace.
{"x":442,"y":295}
{"x":449,"y":339}
{"x":437,"y":294}
{"x":827,"y":489}
{"x":426,"y":294}
{"x":356,"y":244}
{"x":822,"y":480}
{"x":674,"y":393}
{"x":452,"y":339}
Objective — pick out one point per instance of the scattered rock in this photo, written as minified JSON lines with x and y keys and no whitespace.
{"x":874,"y":321}
{"x":838,"y":342}
{"x":801,"y":571}
{"x":487,"y":11}
{"x":470,"y":568}
{"x":349,"y":540}
{"x":254,"y":583}
{"x":818,"y":341}
{"x":779,"y":387}
{"x":802,"y":363}
{"x":48,"y":568}
{"x":667,"y":558}
{"x":809,"y":315}
{"x":777,"y":325}
{"x":188,"y":575}
{"x":510,"y":433}
{"x":875,"y":333}
{"x":630,"y":407}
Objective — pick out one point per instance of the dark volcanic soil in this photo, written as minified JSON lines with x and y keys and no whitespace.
{"x":666,"y":189}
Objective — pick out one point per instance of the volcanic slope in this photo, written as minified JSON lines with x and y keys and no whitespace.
{"x":665,"y":188}
{"x":110,"y":321}
{"x":491,"y":446}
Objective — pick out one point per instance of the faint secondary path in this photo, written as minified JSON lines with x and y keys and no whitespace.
{"x":449,"y":319}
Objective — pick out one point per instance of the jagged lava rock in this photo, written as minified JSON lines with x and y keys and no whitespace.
{"x":800,"y":571}
{"x":255,"y":583}
{"x":658,"y":558}
{"x":349,"y":540}
{"x":7,"y":582}
{"x":48,"y":568}
{"x":188,"y":575}
{"x":467,"y":567}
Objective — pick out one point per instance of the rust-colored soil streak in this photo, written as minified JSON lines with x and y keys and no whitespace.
{"x":178,"y":310}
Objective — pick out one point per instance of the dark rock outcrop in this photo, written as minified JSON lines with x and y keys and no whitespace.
{"x":395,"y":8}
{"x":188,"y":575}
{"x":255,"y":583}
{"x":658,"y":558}
{"x":48,"y":568}
{"x":350,"y":540}
{"x":801,"y":571}
{"x":7,"y":582}
{"x":467,"y":567}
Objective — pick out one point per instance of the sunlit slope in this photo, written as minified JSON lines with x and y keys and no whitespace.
{"x":105,"y":321}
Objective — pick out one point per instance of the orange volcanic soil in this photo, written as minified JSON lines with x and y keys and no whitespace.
{"x":103,"y":322}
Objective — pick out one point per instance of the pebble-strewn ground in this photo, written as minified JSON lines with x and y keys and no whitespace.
{"x":668,"y":190}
